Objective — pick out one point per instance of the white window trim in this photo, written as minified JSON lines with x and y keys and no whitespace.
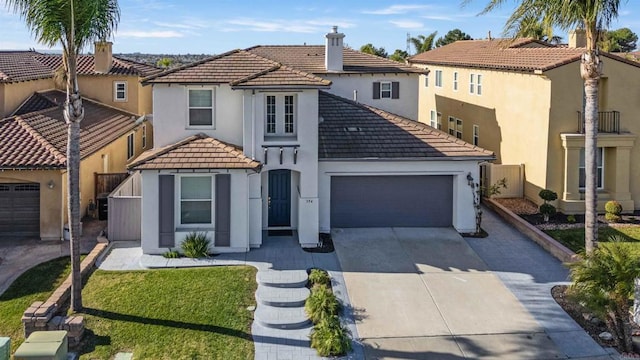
{"x":178,"y":201}
{"x":439,"y":120}
{"x":280,"y":116}
{"x":115,"y":91}
{"x":582,"y":166}
{"x":433,"y":119}
{"x":475,"y":84}
{"x":426,"y":80}
{"x":455,"y":81}
{"x":476,"y":135}
{"x":472,"y":83}
{"x":479,"y":84}
{"x":438,"y":81}
{"x":144,"y":136}
{"x":213,"y":107}
{"x":384,"y":91}
{"x":131,"y":138}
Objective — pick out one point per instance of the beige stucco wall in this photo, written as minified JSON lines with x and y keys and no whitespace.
{"x":13,"y":95}
{"x":50,"y":199}
{"x":101,"y":88}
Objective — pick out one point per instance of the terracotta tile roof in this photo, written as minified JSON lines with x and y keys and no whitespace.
{"x":21,"y":66}
{"x":101,"y":126}
{"x":35,"y":102}
{"x":237,"y":68}
{"x":195,"y":152}
{"x":310,"y":59}
{"x":503,"y":55}
{"x":350,"y":130}
{"x":86,"y":66}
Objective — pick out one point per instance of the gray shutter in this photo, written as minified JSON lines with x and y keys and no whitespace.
{"x":166,"y":211}
{"x":395,"y":90}
{"x":223,"y":210}
{"x":376,"y":90}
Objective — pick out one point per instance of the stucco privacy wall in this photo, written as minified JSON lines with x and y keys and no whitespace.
{"x":13,"y":95}
{"x":50,"y":199}
{"x":171,"y":113}
{"x":239,"y":210}
{"x":463,"y":211}
{"x":407,"y":105}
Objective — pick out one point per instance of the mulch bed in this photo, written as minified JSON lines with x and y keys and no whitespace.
{"x":325,"y":245}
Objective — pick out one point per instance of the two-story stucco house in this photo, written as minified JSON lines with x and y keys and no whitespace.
{"x":299,"y":138}
{"x":523,"y":100}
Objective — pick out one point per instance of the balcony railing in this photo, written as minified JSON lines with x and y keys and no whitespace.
{"x":608,"y":122}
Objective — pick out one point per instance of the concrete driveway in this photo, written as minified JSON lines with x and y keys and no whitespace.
{"x":425,"y":294}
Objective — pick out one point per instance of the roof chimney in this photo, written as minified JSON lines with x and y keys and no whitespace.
{"x":578,"y":38}
{"x":333,"y":50}
{"x":103,"y":56}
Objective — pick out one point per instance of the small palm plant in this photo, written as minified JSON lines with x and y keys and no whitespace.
{"x":603,"y":282}
{"x":196,"y":245}
{"x":330,"y":338}
{"x":321,"y":303}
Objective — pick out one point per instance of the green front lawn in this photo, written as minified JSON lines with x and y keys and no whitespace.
{"x":196,"y":313}
{"x":37,"y":284}
{"x":574,"y":238}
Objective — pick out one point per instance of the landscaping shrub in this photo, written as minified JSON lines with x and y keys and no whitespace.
{"x":321,"y":304}
{"x":330,"y":338}
{"x":547,"y":209}
{"x":613,"y":210}
{"x":171,"y":254}
{"x":319,"y":276}
{"x":571,"y":219}
{"x":196,"y":245}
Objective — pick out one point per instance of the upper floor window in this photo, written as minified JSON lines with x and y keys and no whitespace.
{"x":475,"y":84}
{"x":436,"y":120}
{"x":201,"y":107}
{"x":476,"y":135}
{"x":130,"y":146}
{"x":280,"y":115}
{"x":426,"y":80}
{"x":438,"y":78}
{"x":119,"y":91}
{"x":455,"y":81}
{"x":144,"y":136}
{"x":455,"y":127}
{"x":599,"y":169}
{"x":386,"y":90}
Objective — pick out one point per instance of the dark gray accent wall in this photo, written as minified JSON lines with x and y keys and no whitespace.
{"x":384,"y":201}
{"x":19,"y":211}
{"x":223,"y":210}
{"x":166,"y":211}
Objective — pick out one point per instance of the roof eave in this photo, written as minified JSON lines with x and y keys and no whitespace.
{"x":272,"y":87}
{"x":439,"y":158}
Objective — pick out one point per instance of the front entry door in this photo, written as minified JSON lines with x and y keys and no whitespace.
{"x":279,"y":198}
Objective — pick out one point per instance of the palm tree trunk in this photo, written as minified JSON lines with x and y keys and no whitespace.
{"x":590,"y":71}
{"x":74,"y":113}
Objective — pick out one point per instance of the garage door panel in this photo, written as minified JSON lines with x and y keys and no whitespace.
{"x":401,"y":201}
{"x":19,"y":210}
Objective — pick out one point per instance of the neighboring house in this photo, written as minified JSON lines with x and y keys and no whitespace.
{"x":523,"y":100}
{"x":264,"y":139}
{"x":33,"y":161}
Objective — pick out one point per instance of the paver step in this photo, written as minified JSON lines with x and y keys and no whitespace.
{"x":281,"y":317}
{"x":292,"y":337}
{"x":282,"y":278}
{"x":281,"y":297}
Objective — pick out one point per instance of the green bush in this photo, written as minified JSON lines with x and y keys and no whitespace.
{"x":547,"y":209}
{"x":196,"y":245}
{"x":321,"y":304}
{"x":330,"y":338}
{"x":613,"y":210}
{"x":571,"y":219}
{"x":171,"y":254}
{"x":319,"y":276}
{"x":548,"y":195}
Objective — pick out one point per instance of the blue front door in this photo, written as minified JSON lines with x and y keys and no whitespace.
{"x":279,"y":198}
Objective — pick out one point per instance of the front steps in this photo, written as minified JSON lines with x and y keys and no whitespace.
{"x":281,"y":296}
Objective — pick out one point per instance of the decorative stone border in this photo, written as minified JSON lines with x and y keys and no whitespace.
{"x":548,"y":243}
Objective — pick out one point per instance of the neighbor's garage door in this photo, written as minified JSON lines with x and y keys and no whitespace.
{"x":384,"y":201}
{"x":19,"y":210}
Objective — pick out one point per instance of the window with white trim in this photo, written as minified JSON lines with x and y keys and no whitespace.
{"x":455,"y":127}
{"x":479,"y":84}
{"x":435,"y":120}
{"x":144,"y":136}
{"x":426,"y":80}
{"x":201,"y":107}
{"x":599,"y":169}
{"x":472,"y":83}
{"x":455,"y":81}
{"x":438,"y":78}
{"x":119,"y":91}
{"x":196,"y":200}
{"x":280,"y":115}
{"x":130,"y":146}
{"x":385,"y":89}
{"x":476,"y":135}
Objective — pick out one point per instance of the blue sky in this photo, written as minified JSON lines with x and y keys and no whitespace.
{"x":215,"y":26}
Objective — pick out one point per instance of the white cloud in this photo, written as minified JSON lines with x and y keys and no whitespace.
{"x":407,"y":24}
{"x":149,"y":34}
{"x":397,"y":9}
{"x":276,"y":25}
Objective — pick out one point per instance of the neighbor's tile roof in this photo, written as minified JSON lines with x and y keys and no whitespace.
{"x":35,"y":102}
{"x":196,"y":152}
{"x":503,"y":54}
{"x":39,"y":139}
{"x":310,"y":58}
{"x":238,"y":68}
{"x":350,"y":130}
{"x":86,"y":66}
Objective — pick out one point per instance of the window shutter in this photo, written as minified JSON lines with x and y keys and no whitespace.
{"x":223,"y":210}
{"x":166,"y":211}
{"x":376,"y":90}
{"x":395,"y":90}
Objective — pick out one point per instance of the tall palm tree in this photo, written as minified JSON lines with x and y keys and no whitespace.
{"x":533,"y":28}
{"x":592,"y":16}
{"x":72,"y":24}
{"x":423,"y":43}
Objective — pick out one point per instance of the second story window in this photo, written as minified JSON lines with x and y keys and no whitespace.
{"x":130,"y":146}
{"x":436,"y":120}
{"x":201,"y":107}
{"x":280,"y":115}
{"x":438,"y":78}
{"x":386,"y":90}
{"x":476,"y":135}
{"x":455,"y":81}
{"x":144,"y":136}
{"x":120,"y":91}
{"x":475,"y":84}
{"x":426,"y":80}
{"x":455,"y":127}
